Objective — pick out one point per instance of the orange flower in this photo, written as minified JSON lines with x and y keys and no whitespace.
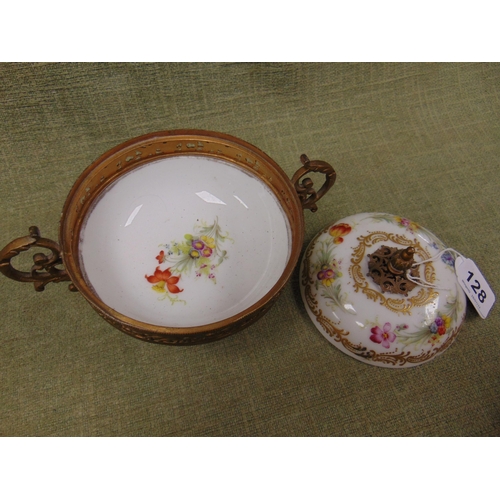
{"x":338,"y":231}
{"x":163,"y":279}
{"x":161,"y":257}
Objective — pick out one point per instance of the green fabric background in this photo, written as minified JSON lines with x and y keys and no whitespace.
{"x":416,"y":140}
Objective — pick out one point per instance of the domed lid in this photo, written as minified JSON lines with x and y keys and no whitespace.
{"x":366,"y":292}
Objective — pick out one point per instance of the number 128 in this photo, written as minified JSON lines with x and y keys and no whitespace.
{"x":476,"y":287}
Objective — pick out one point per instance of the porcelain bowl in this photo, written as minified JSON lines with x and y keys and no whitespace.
{"x":178,"y":237}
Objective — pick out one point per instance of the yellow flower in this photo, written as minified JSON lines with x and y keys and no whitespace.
{"x":210,"y":242}
{"x":328,"y":275}
{"x":447,"y":321}
{"x":159,"y":287}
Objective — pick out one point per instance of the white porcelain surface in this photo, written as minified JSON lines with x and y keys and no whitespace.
{"x":349,"y":309}
{"x":185,"y":241}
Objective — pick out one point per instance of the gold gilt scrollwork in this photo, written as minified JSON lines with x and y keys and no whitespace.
{"x":45,"y":266}
{"x":399,"y":305}
{"x":337,"y":334}
{"x":341,"y":336}
{"x":157,"y":337}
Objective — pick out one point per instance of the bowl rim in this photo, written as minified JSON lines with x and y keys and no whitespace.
{"x":253,"y":160}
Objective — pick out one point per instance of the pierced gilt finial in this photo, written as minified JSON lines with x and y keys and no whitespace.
{"x":389,"y":268}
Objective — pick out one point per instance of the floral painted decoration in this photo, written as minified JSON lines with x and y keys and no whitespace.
{"x":327,"y":270}
{"x":165,"y":283}
{"x":329,"y":273}
{"x":406,"y":223}
{"x":338,"y":231}
{"x":383,"y":329}
{"x":438,"y":328}
{"x":434,"y":332}
{"x":384,"y":335}
{"x":402,"y":222}
{"x":431,"y":333}
{"x":201,"y":253}
{"x":448,"y":259}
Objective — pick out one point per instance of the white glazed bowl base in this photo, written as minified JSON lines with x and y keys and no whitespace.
{"x":230,"y":215}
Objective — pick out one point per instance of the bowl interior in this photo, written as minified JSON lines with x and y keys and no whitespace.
{"x":184,"y":241}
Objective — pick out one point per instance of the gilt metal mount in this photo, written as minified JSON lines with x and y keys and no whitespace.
{"x":389,"y":267}
{"x":45,"y":267}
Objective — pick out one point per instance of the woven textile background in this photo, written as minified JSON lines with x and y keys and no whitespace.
{"x":416,"y":140}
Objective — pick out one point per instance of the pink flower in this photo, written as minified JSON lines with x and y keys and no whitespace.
{"x":384,"y":337}
{"x":406,"y":223}
{"x":206,"y":252}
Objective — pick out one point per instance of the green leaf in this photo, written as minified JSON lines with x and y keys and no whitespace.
{"x":184,"y":248}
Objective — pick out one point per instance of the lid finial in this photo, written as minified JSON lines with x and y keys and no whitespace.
{"x":389,"y":266}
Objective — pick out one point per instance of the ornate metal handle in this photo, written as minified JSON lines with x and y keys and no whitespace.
{"x":44,"y":268}
{"x":307,"y":194}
